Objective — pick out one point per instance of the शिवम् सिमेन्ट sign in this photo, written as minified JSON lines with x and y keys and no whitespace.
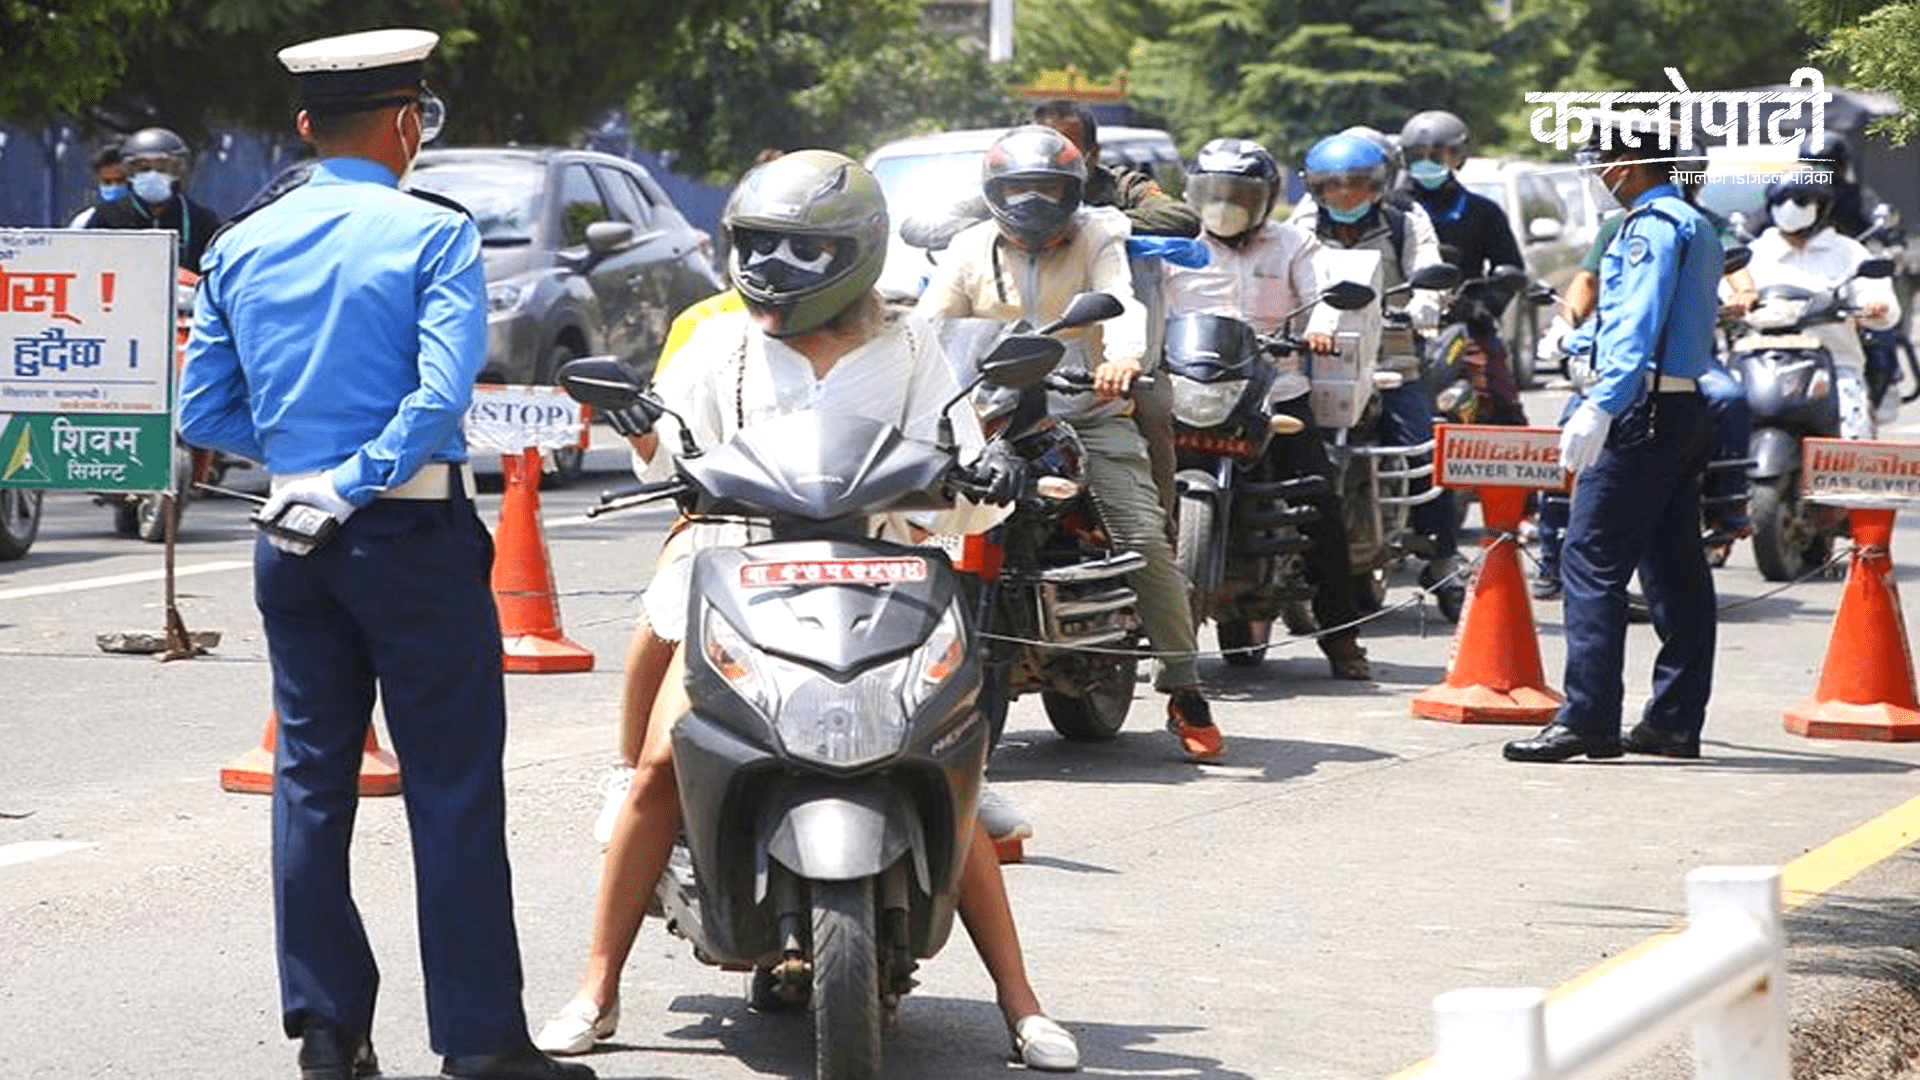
{"x":86,"y":384}
{"x":1487,"y":455}
{"x":1849,"y":472}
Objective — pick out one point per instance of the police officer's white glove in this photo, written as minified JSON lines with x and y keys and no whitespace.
{"x":315,"y":491}
{"x":1583,"y":437}
{"x":1553,"y":340}
{"x":1423,"y":311}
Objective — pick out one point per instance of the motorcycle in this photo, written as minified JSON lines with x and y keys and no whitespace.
{"x":830,"y":764}
{"x":1053,"y":594}
{"x":19,"y":521}
{"x":1791,"y":387}
{"x":1238,"y":540}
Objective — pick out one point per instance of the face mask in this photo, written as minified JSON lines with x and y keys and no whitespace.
{"x":400,"y":129}
{"x":1429,"y":174}
{"x":153,"y":186}
{"x":112,"y":192}
{"x":1793,"y":217}
{"x":1349,"y":217}
{"x":1225,"y":219}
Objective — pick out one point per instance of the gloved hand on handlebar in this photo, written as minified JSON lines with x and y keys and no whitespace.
{"x":1423,"y":311}
{"x":1002,"y":474}
{"x":636,"y":419}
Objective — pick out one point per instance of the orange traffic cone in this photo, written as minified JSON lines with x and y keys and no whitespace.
{"x":1867,"y":686}
{"x":252,"y":772}
{"x":523,"y":578}
{"x":1495,"y":676}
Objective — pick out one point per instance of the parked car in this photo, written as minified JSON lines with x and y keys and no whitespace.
{"x":926,"y":174}
{"x":1552,"y":238}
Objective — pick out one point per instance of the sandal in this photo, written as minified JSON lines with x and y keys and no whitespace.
{"x":576,"y":1027}
{"x":1039,"y":1043}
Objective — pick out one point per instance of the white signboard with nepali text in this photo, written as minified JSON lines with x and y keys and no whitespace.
{"x":86,"y":379}
{"x":1850,"y":472}
{"x":1487,"y":455}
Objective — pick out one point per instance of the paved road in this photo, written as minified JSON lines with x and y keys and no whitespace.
{"x":1289,"y":913}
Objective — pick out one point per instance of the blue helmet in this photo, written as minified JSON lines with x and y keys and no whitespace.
{"x":1346,"y":157}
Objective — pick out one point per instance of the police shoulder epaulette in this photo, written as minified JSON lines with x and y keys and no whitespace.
{"x":436,"y":197}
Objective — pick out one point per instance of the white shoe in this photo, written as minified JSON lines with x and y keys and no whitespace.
{"x":576,"y":1027}
{"x":613,"y":792}
{"x":1002,"y":819}
{"x":1039,"y":1043}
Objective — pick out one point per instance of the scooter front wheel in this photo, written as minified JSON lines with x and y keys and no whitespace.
{"x":1786,"y":535}
{"x":846,"y":981}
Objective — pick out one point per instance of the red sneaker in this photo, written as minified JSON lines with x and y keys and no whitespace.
{"x":1191,"y":721}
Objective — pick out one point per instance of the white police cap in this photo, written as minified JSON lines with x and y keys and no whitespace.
{"x":339,"y":72}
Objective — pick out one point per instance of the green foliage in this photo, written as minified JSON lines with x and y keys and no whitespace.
{"x":1095,"y":36}
{"x":60,"y":58}
{"x":839,"y":74}
{"x":1882,"y":51}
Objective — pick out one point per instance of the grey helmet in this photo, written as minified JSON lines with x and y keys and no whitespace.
{"x":1010,"y":169}
{"x":156,"y":143}
{"x":808,"y":235}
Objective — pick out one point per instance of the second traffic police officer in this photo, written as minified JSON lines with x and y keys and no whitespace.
{"x":337,"y":334}
{"x":1638,"y":447}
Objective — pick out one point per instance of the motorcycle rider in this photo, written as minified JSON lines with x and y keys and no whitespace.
{"x":109,"y":181}
{"x":1802,"y":247}
{"x":156,"y":161}
{"x":807,"y":234}
{"x":1041,"y":248}
{"x":1347,"y":175}
{"x":1828,"y":150}
{"x":1259,"y":270}
{"x":1435,"y":144}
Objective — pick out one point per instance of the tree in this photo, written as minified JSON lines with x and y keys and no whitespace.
{"x":841,"y":74}
{"x":60,"y":61}
{"x":1877,"y":44}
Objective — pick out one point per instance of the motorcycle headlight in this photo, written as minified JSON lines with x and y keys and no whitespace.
{"x":1205,"y":405}
{"x":744,"y":667}
{"x":507,"y":296}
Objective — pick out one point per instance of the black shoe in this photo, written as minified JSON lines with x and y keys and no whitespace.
{"x":328,"y":1052}
{"x":1647,"y":739}
{"x":1638,"y":610}
{"x":525,"y":1063}
{"x":1557,"y":742}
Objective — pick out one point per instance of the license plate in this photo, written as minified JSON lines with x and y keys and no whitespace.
{"x":802,"y":572}
{"x":1756,"y":342}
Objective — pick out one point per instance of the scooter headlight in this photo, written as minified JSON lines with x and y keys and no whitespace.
{"x":1777,"y":313}
{"x":1205,"y":404}
{"x":929,"y":668}
{"x":744,"y":667}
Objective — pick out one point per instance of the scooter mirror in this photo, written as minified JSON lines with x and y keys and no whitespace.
{"x":1088,"y":307}
{"x":603,"y":382}
{"x":1541,"y":293}
{"x":1439,"y":276}
{"x":1347,"y":296}
{"x":1022,"y":360}
{"x":1508,"y":276}
{"x":1736,"y":258}
{"x":1875,"y":268}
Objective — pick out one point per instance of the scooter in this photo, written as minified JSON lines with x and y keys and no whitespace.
{"x":1792,"y":395}
{"x":1053,"y":594}
{"x":1238,"y":540}
{"x":830,"y":765}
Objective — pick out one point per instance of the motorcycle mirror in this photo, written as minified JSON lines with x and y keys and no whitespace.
{"x":1736,"y":259}
{"x":1509,"y":276}
{"x":1088,"y":307}
{"x":1347,"y":296}
{"x":1541,"y":293}
{"x":1875,"y":268}
{"x":1021,"y":360}
{"x":1439,"y":276}
{"x":603,"y":382}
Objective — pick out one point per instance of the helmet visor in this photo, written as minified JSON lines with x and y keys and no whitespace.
{"x":1228,"y":204}
{"x":771,"y":265}
{"x":1371,"y":177}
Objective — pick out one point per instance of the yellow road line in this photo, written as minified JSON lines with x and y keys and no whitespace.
{"x":1803,"y":880}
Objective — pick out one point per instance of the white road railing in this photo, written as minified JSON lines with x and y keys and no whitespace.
{"x":1723,"y":976}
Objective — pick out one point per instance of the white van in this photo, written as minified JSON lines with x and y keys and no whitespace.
{"x":928,"y":173}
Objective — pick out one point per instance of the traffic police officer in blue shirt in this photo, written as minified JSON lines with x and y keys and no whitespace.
{"x":337,"y":335}
{"x":1638,"y":448}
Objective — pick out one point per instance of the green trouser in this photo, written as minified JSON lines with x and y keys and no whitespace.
{"x":1122,"y":487}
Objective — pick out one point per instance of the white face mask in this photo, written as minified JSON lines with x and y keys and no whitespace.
{"x":1225,"y":219}
{"x":400,"y":129}
{"x":153,"y":185}
{"x":1793,"y":217}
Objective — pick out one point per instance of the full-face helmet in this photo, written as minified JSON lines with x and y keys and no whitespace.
{"x":808,"y":234}
{"x":1033,"y":178}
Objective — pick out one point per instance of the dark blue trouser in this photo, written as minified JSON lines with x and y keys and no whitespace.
{"x":1639,"y":508}
{"x":399,"y":599}
{"x":1406,"y":419}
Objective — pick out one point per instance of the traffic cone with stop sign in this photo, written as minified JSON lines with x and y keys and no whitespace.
{"x":1867,"y":685}
{"x":523,"y":579}
{"x":1495,"y":676}
{"x":252,"y":772}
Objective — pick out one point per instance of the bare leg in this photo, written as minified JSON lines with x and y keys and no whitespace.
{"x":646,"y":665}
{"x":642,"y":838}
{"x":989,"y":921}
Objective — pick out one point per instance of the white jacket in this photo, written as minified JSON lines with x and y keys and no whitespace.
{"x":1825,"y":259}
{"x":1259,"y":283}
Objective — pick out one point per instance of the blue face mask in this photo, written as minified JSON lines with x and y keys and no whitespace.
{"x":1429,"y":174}
{"x":1348,"y":217}
{"x":153,"y":186}
{"x":112,"y":192}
